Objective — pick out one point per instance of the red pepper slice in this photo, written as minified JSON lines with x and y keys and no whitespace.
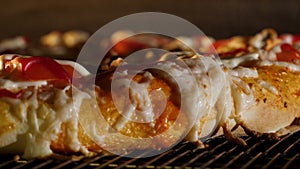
{"x":233,"y":53}
{"x":71,"y":72}
{"x":37,"y":68}
{"x":296,"y":38}
{"x":216,"y":45}
{"x":7,"y":93}
{"x":213,"y":48}
{"x":288,"y":53}
{"x":127,"y":46}
{"x":220,"y":43}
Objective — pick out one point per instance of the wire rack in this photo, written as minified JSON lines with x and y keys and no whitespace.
{"x":220,"y":153}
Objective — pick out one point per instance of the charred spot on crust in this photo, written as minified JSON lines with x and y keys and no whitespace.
{"x":285,"y":104}
{"x":250,"y":85}
{"x":265,"y":100}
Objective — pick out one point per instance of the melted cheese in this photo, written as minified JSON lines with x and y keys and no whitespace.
{"x":13,"y":86}
{"x":140,"y":108}
{"x":234,"y":62}
{"x":244,"y":72}
{"x":201,"y":81}
{"x":290,"y":66}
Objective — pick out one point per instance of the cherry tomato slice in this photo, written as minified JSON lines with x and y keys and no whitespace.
{"x":296,"y":38}
{"x":38,"y":68}
{"x":125,"y":47}
{"x":220,"y":43}
{"x":71,"y":72}
{"x":288,"y":53}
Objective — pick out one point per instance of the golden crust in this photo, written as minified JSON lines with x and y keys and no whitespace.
{"x":279,"y":107}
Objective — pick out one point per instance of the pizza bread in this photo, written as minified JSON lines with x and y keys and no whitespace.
{"x":174,"y":100}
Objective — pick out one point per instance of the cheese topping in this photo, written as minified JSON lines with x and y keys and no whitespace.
{"x":244,"y":72}
{"x":290,"y":66}
{"x":13,"y":86}
{"x":44,"y":122}
{"x":201,"y":81}
{"x":40,"y":115}
{"x":139,"y":108}
{"x":234,"y":62}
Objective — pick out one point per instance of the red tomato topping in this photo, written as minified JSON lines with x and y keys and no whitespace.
{"x":220,"y":43}
{"x":125,"y":47}
{"x":288,"y":53}
{"x":7,"y":93}
{"x":213,"y":48}
{"x":71,"y":72}
{"x":233,"y":53}
{"x":296,"y":38}
{"x":37,"y":68}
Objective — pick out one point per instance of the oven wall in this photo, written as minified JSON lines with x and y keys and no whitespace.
{"x":218,"y":18}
